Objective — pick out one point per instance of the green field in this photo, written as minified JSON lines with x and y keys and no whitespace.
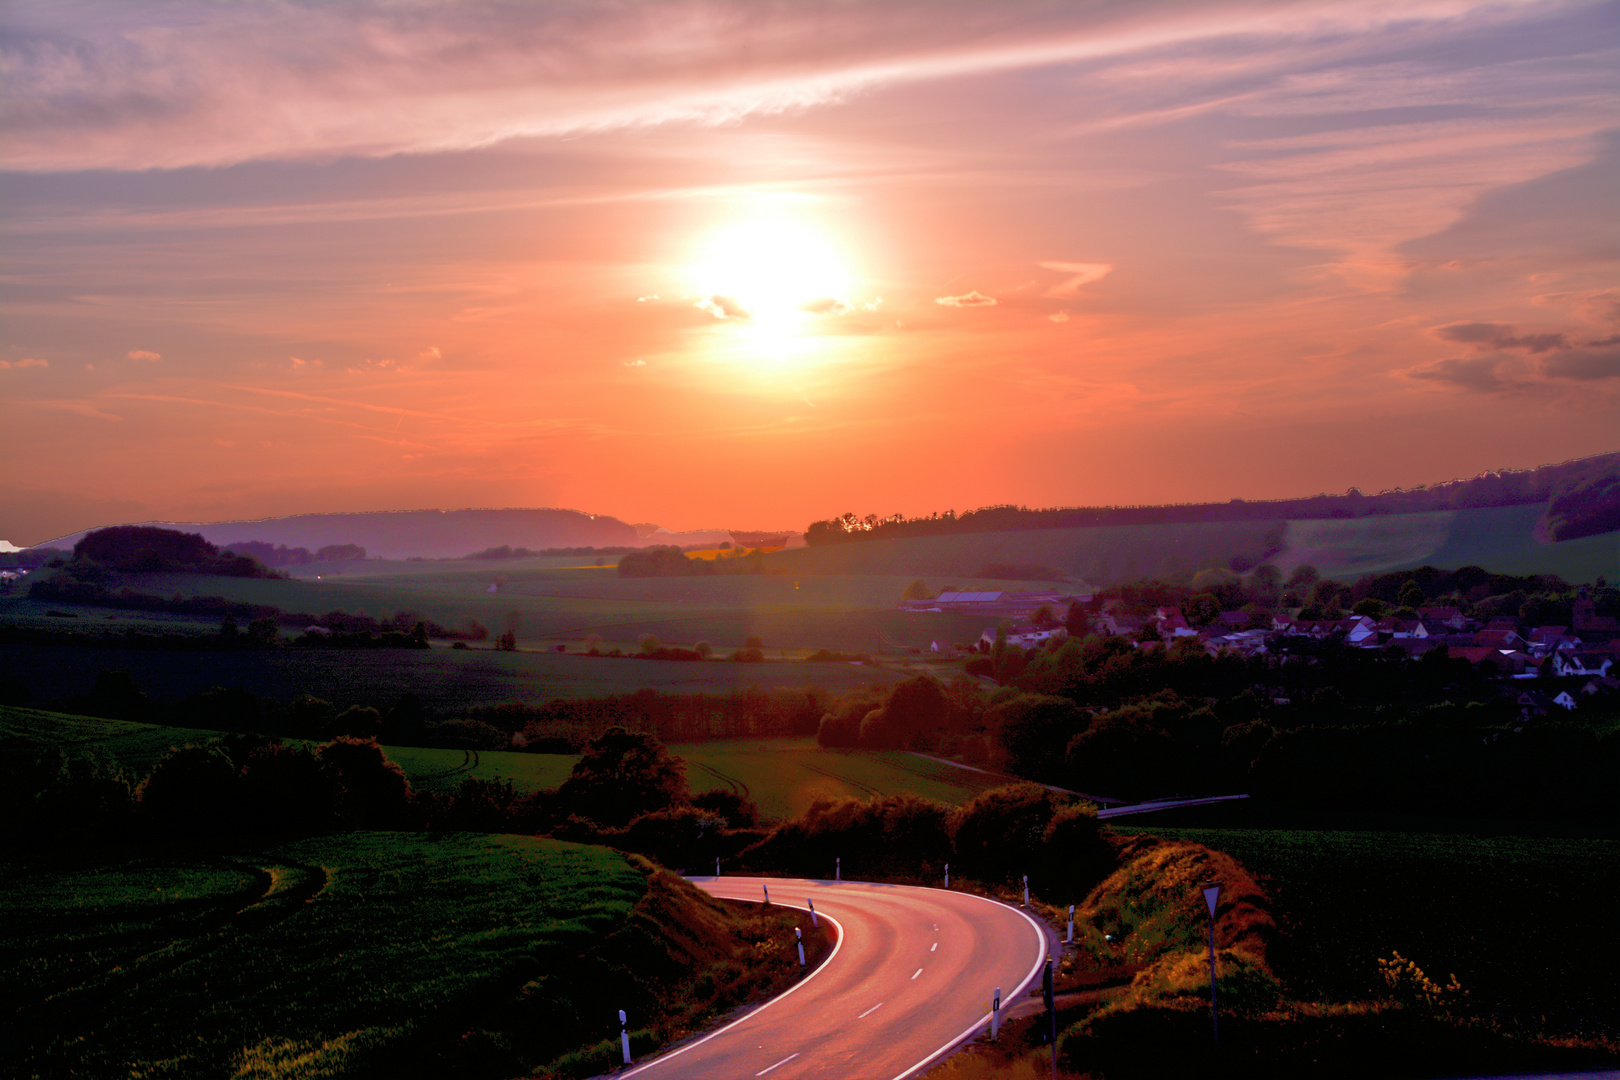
{"x":1527,"y":924}
{"x":298,"y":961}
{"x":781,"y":776}
{"x":446,"y":680}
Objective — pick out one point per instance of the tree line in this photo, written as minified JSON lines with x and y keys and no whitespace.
{"x":1588,"y":490}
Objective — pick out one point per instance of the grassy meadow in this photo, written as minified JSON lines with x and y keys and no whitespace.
{"x":297,"y":961}
{"x":446,"y":680}
{"x":781,"y":776}
{"x":1526,"y":924}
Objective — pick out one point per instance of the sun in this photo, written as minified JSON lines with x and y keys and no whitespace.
{"x":775,"y":273}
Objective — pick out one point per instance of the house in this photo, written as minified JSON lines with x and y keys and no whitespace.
{"x":1580,"y":662}
{"x":1592,"y":626}
{"x":1545,"y":639}
{"x":1171,"y":621}
{"x":1442,"y":616}
{"x":1360,"y":629}
{"x":1026,"y":636}
{"x":1499,"y":638}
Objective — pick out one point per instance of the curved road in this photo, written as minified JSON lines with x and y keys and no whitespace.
{"x":911,"y":976}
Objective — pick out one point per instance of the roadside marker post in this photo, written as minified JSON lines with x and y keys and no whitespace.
{"x":1026,"y":890}
{"x":1051,"y":1012}
{"x":798,"y":936}
{"x":1070,"y":939}
{"x":813,"y":920}
{"x":995,"y":1015}
{"x":838,"y":869}
{"x":717,"y":866}
{"x":947,"y":875}
{"x":624,"y":1036}
{"x":1212,"y":896}
{"x":767,"y":889}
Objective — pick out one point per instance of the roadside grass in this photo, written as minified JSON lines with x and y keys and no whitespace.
{"x":368,"y":954}
{"x":1526,"y":924}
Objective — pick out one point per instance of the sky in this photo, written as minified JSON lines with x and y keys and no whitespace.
{"x":752,"y":264}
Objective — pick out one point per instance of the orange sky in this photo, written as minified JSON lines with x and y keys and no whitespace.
{"x":747,"y":265}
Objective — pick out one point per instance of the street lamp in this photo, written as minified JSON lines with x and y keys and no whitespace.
{"x":1212,"y":896}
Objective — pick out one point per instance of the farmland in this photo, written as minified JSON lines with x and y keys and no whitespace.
{"x":1526,"y":924}
{"x":782,"y":776}
{"x":446,"y":680}
{"x":191,"y":966}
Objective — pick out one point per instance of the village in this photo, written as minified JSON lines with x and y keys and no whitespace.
{"x":1567,"y":664}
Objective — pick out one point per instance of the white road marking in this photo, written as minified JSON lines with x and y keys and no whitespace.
{"x":784,"y":1061}
{"x":934,"y":947}
{"x":916,"y":973}
{"x":870,"y":1011}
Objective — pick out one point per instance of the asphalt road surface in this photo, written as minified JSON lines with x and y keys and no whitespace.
{"x":911,"y":976}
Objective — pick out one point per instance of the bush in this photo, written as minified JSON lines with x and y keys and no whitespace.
{"x":904,"y":836}
{"x":51,"y":800}
{"x":287,"y":790}
{"x":373,"y":791}
{"x":999,"y":836}
{"x":194,"y":790}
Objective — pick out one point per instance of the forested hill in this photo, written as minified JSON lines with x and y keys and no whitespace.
{"x":1585,"y":498}
{"x":428,"y":533}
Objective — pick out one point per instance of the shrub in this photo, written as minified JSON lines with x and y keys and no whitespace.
{"x":896,"y":836}
{"x":999,"y":835}
{"x":373,"y":791}
{"x":287,"y":790}
{"x":622,"y":775}
{"x":193,"y":789}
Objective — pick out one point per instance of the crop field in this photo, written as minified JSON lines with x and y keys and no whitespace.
{"x":135,"y":746}
{"x":1526,"y":924}
{"x":446,"y":680}
{"x":782,"y":776}
{"x":298,"y":961}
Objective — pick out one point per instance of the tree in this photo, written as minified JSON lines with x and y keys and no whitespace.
{"x":193,"y":789}
{"x":622,"y":775}
{"x":1075,"y":621}
{"x":1202,"y":609}
{"x":913,"y":716}
{"x":917,"y":590}
{"x":373,"y":790}
{"x":1031,"y":732}
{"x":1411,"y":595}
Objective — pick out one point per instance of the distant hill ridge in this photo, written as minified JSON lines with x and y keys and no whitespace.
{"x":1584,"y":495}
{"x":400,"y":534}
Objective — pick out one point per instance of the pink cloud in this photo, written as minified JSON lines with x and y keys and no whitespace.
{"x":969,"y":299}
{"x":25,"y":362}
{"x":1078,"y":274}
{"x":143,"y":354}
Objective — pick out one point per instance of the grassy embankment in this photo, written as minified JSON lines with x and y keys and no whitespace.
{"x":781,"y":776}
{"x":1299,"y":942}
{"x":369,"y":954}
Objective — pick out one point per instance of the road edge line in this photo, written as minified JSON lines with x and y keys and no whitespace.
{"x":1040,"y":959}
{"x":839,"y":944}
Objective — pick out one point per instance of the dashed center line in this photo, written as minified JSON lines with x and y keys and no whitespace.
{"x":870,"y":1011}
{"x":933,"y":947}
{"x":768,"y":1068}
{"x":916,"y":973}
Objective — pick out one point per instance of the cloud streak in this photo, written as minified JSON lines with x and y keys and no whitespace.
{"x":968,"y":299}
{"x":104,"y":87}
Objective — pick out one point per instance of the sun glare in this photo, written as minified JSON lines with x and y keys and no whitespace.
{"x":775,"y":274}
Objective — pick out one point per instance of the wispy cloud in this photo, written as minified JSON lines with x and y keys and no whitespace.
{"x":1078,"y":274}
{"x":968,"y":299}
{"x":90,"y":86}
{"x":25,"y":362}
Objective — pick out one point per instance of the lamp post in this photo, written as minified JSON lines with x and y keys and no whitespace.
{"x":1212,"y":896}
